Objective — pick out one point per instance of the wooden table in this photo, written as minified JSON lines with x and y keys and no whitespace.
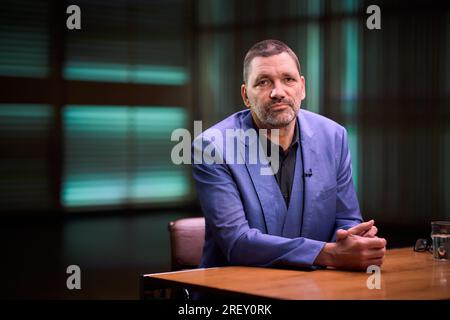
{"x":405,"y":274}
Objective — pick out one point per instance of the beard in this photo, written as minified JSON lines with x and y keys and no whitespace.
{"x":276,"y":119}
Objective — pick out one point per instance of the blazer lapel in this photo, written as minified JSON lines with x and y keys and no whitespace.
{"x":269,"y":194}
{"x":272,"y":202}
{"x":311,"y":167}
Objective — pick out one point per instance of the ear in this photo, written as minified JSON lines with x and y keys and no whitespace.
{"x":303,"y":94}
{"x":244,"y":95}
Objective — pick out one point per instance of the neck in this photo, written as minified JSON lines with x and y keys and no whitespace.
{"x":285,"y":134}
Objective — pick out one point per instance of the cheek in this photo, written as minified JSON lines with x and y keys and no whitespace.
{"x":302,"y":92}
{"x":299,"y":95}
{"x":251,"y":99}
{"x":256,"y":99}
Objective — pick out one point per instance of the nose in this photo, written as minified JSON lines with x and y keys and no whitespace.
{"x":277,"y":91}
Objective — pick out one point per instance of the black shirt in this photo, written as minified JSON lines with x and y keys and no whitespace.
{"x":285,"y":174}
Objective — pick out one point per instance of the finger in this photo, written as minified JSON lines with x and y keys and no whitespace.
{"x":370,"y":233}
{"x":377,"y":259}
{"x":362,"y":227}
{"x":341,"y":235}
{"x":375,"y":243}
{"x":375,"y":253}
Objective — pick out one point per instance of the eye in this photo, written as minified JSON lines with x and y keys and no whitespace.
{"x":263,"y":83}
{"x":290,"y":80}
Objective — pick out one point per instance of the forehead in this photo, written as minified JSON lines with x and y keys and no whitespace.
{"x":273,"y":65}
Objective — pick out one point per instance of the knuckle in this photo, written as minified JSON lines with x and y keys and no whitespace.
{"x":359,"y":245}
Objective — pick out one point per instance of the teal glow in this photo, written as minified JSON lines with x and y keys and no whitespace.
{"x":215,"y":12}
{"x":157,"y":120}
{"x":159,"y":75}
{"x":314,"y":8}
{"x":25,"y":110}
{"x":216,"y":61}
{"x":96,"y":72}
{"x":24,"y":51}
{"x":350,"y":6}
{"x":121,"y":155}
{"x":160,"y":186}
{"x":101,"y":121}
{"x":352,"y":131}
{"x":344,"y":6}
{"x":22,"y":71}
{"x":313,"y":74}
{"x":218,"y":73}
{"x":94,"y":190}
{"x":351,"y":73}
{"x":25,"y":130}
{"x":112,"y":72}
{"x":86,"y":112}
{"x":350,"y":89}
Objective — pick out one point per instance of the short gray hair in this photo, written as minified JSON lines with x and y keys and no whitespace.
{"x":267,"y":48}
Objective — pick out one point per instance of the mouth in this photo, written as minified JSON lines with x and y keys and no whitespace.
{"x":278,"y":106}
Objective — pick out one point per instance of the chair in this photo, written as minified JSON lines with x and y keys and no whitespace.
{"x":187,"y":236}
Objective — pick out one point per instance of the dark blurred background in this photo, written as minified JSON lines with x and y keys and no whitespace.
{"x":86,"y":117}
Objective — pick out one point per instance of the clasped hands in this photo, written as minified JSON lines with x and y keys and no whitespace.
{"x":356,"y":248}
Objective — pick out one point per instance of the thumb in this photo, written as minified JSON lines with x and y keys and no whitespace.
{"x":362,"y":227}
{"x":341,"y":235}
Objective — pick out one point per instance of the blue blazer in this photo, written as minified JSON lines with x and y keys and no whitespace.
{"x":247,"y":220}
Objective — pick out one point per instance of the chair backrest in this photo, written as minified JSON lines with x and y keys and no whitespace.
{"x":187,"y":236}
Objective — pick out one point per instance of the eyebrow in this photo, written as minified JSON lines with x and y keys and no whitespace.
{"x":261,"y":76}
{"x":266,"y":75}
{"x":284,"y":74}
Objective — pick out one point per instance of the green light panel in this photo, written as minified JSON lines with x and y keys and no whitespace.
{"x":121,"y":155}
{"x":314,"y":8}
{"x":24,"y":39}
{"x":352,"y":131}
{"x":144,"y":42}
{"x":313,"y":57}
{"x":216,"y":12}
{"x":350,"y":91}
{"x":216,"y":75}
{"x":351,"y":72}
{"x":24,"y":168}
{"x":155,"y":178}
{"x":344,"y":6}
{"x":313,"y":74}
{"x":112,"y":72}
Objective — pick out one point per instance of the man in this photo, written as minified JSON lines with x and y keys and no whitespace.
{"x":306,"y":214}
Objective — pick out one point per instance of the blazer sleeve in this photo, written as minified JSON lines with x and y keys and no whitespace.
{"x":224,"y":212}
{"x":347,"y":208}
